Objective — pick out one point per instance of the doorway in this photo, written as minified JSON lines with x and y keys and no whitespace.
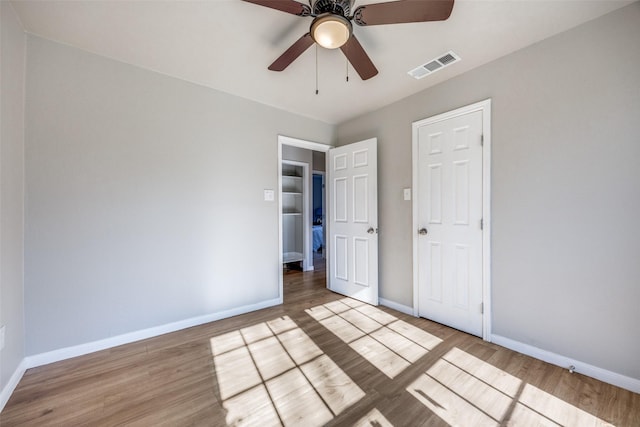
{"x":351,"y":251}
{"x":319,"y":235}
{"x":299,"y":161}
{"x":451,"y":159}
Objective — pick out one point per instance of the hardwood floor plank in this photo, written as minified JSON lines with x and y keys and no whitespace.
{"x":317,"y":359}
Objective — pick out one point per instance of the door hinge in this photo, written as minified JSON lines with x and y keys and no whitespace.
{"x":481,"y":308}
{"x":481,"y":223}
{"x":482,"y":139}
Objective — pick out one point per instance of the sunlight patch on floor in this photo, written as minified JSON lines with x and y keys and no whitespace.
{"x":464,"y":390}
{"x":272,"y":373}
{"x":459,"y":389}
{"x":261,"y":411}
{"x":546,"y":409}
{"x":296,"y":401}
{"x":483,"y":371}
{"x":390,"y":344}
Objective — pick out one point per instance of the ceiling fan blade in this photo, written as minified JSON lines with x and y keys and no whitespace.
{"x":403,"y":11}
{"x":289,"y":6}
{"x":356,"y":55}
{"x":292,"y":53}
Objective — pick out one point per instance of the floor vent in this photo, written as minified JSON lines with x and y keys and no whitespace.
{"x":434,"y":65}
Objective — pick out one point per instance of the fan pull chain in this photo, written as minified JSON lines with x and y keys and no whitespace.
{"x":316,"y":69}
{"x":347,"y":62}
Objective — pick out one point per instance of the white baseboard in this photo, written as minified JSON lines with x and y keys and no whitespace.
{"x":82,"y":349}
{"x":628,"y":383}
{"x":398,"y":307}
{"x":6,"y":392}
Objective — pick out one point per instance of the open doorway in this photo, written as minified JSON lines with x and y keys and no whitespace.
{"x":350,"y":216}
{"x":302,"y":195}
{"x":302,"y":204}
{"x":319,"y":235}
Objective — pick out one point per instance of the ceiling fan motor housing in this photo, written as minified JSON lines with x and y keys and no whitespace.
{"x":338,"y":7}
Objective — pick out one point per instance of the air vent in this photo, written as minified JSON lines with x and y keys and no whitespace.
{"x":419,"y":72}
{"x":447,"y":59}
{"x":434,"y":65}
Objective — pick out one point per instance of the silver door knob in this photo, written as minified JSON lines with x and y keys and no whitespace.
{"x":423,"y":231}
{"x":371,"y":230}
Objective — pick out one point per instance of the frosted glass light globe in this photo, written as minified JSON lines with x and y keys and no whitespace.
{"x":331,"y":31}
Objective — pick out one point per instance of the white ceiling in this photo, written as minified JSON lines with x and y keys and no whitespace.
{"x":228,"y":44}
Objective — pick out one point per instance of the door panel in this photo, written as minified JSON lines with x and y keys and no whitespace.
{"x":340,"y":200}
{"x":450,"y":208}
{"x":353,"y":221}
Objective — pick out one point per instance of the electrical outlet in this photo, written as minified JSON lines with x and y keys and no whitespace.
{"x":2,"y":328}
{"x":406,"y":193}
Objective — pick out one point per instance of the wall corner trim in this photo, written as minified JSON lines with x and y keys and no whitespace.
{"x":8,"y":389}
{"x":398,"y":307}
{"x":619,"y":380}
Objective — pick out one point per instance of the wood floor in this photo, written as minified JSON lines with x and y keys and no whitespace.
{"x":319,"y":359}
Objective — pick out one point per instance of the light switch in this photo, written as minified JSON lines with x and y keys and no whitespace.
{"x":269,"y":195}
{"x":407,"y":193}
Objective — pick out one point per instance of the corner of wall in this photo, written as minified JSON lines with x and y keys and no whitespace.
{"x":11,"y":385}
{"x":12,"y":179}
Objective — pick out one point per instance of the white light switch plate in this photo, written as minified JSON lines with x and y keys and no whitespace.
{"x":406,"y":193}
{"x":269,"y":195}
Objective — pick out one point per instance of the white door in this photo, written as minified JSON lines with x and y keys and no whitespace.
{"x":353,"y":220}
{"x":449,"y":220}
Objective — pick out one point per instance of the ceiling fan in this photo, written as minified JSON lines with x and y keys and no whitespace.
{"x":331,"y":26}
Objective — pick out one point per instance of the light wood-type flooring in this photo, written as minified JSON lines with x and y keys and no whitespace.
{"x":318,"y":359}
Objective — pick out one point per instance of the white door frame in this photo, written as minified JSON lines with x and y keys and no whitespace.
{"x":485,"y":107}
{"x":300,"y":143}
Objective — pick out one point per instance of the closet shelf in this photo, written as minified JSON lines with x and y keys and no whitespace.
{"x":294,"y":176}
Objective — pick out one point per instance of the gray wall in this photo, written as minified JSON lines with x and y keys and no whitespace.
{"x":12,"y":75}
{"x":319,"y":164}
{"x":145,"y":198}
{"x":565,"y":189}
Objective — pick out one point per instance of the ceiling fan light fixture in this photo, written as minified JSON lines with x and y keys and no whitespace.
{"x":331,"y":31}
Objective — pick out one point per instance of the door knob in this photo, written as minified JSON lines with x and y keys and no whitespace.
{"x":371,"y":230}
{"x":423,"y":231}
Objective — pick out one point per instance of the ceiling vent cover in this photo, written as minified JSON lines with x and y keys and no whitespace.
{"x":436,"y":64}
